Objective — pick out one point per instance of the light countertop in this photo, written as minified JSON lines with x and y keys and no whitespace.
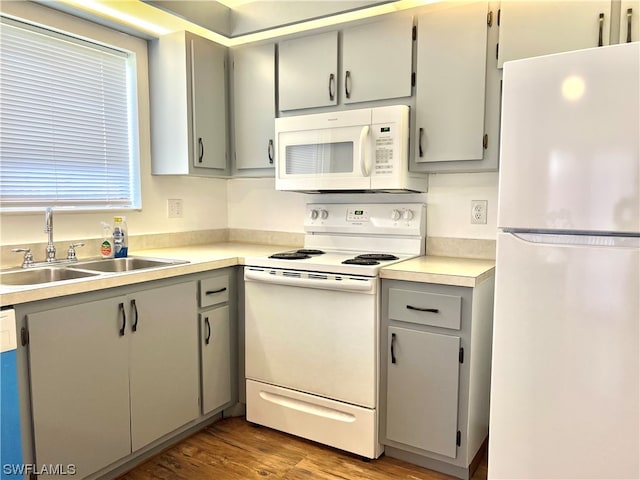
{"x":201,"y":258}
{"x":462,"y":272}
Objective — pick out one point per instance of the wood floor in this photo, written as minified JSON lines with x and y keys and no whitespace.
{"x":233,"y":449}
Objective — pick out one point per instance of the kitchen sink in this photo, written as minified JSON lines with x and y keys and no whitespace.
{"x":42,"y":275}
{"x":125,"y":264}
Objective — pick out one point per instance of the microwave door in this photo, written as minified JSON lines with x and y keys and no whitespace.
{"x":335,"y":158}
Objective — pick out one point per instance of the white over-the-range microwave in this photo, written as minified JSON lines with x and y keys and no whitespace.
{"x":351,"y":150}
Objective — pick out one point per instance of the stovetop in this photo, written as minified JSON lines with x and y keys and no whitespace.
{"x":354,"y":239}
{"x":344,"y":262}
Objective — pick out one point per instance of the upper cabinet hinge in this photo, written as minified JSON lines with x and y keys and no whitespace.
{"x":458,"y":438}
{"x":490,"y":19}
{"x":414,"y":33}
{"x":498,"y":20}
{"x":485,"y":141}
{"x":461,"y":355}
{"x":24,"y":336}
{"x":413,"y":79}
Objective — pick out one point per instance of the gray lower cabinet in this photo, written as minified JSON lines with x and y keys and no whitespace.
{"x":420,"y":418}
{"x":110,"y":376}
{"x":216,"y":358}
{"x":435,"y":352}
{"x":218,"y":341}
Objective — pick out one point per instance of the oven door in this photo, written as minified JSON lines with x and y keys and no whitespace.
{"x":313,"y":333}
{"x":314,"y":154}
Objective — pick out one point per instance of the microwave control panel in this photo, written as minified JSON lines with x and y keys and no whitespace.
{"x":385,"y":140}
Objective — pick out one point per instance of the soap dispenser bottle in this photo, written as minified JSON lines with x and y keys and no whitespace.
{"x":106,"y":246}
{"x":120,"y":237}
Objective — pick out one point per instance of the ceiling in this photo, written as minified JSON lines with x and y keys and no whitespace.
{"x":234,"y":18}
{"x":228,"y":22}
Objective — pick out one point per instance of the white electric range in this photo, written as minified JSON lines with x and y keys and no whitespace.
{"x":312,"y":321}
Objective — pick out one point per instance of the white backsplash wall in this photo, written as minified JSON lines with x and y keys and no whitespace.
{"x":449,"y":205}
{"x":254,"y":204}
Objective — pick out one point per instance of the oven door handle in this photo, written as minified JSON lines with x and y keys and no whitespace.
{"x":366,"y":285}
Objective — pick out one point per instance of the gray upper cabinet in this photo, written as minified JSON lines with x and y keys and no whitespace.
{"x":457,"y":89}
{"x":533,"y":28}
{"x":254,"y":107}
{"x":308,"y":71}
{"x":376,"y":60}
{"x":188,"y":91}
{"x":375,"y":65}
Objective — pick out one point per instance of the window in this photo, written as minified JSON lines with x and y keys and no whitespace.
{"x":68,"y":130}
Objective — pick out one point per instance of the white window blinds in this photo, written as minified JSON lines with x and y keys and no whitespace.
{"x":66,"y":133}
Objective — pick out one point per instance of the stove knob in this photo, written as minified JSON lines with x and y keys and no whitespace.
{"x":323,"y":214}
{"x":313,"y":214}
{"x":407,"y":214}
{"x":395,"y":214}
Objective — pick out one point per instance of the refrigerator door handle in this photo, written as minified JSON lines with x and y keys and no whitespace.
{"x":553,"y":238}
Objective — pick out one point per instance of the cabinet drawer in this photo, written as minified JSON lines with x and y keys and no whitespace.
{"x":214,"y":290}
{"x":425,"y":308}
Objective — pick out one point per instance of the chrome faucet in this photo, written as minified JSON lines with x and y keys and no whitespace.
{"x":48,"y":229}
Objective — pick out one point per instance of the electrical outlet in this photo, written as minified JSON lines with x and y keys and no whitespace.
{"x":479,"y":211}
{"x":174,"y":208}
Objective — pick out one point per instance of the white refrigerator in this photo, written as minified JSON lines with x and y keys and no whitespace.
{"x":565,"y":368}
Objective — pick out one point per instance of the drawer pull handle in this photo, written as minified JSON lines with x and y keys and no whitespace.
{"x":208,"y":325}
{"x":420,"y":309}
{"x":393,"y":354}
{"x":213,"y":292}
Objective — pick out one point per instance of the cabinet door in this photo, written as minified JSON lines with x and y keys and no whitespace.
{"x":254,"y":100}
{"x":376,"y":60}
{"x":216,"y":358}
{"x":541,"y":27}
{"x":629,"y":21}
{"x":80,"y":385}
{"x":164,"y":361}
{"x":422,"y":390}
{"x":450,"y":84}
{"x":308,"y":71}
{"x":208,"y":89}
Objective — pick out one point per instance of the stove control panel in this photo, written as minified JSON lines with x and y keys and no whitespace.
{"x":367,"y":218}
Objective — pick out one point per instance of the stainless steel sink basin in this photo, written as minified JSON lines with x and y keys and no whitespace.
{"x":125,"y":264}
{"x":41,"y":275}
